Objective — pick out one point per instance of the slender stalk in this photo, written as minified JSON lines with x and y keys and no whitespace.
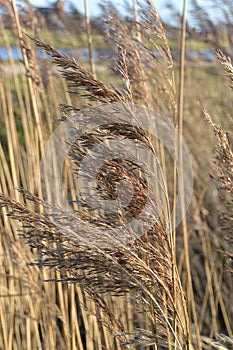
{"x":89,"y":38}
{"x":189,"y":287}
{"x":135,"y":12}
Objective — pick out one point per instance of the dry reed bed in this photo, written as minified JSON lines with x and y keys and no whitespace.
{"x":136,"y":291}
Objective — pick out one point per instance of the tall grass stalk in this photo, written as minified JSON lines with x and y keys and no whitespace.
{"x":89,"y":38}
{"x":189,"y":287}
{"x":135,"y":12}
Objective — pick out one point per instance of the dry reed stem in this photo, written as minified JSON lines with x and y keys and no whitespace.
{"x":89,"y":39}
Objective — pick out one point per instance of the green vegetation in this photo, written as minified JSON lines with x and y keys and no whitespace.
{"x":62,"y":39}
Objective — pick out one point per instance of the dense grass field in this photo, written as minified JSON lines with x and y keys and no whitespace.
{"x":75,"y":276}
